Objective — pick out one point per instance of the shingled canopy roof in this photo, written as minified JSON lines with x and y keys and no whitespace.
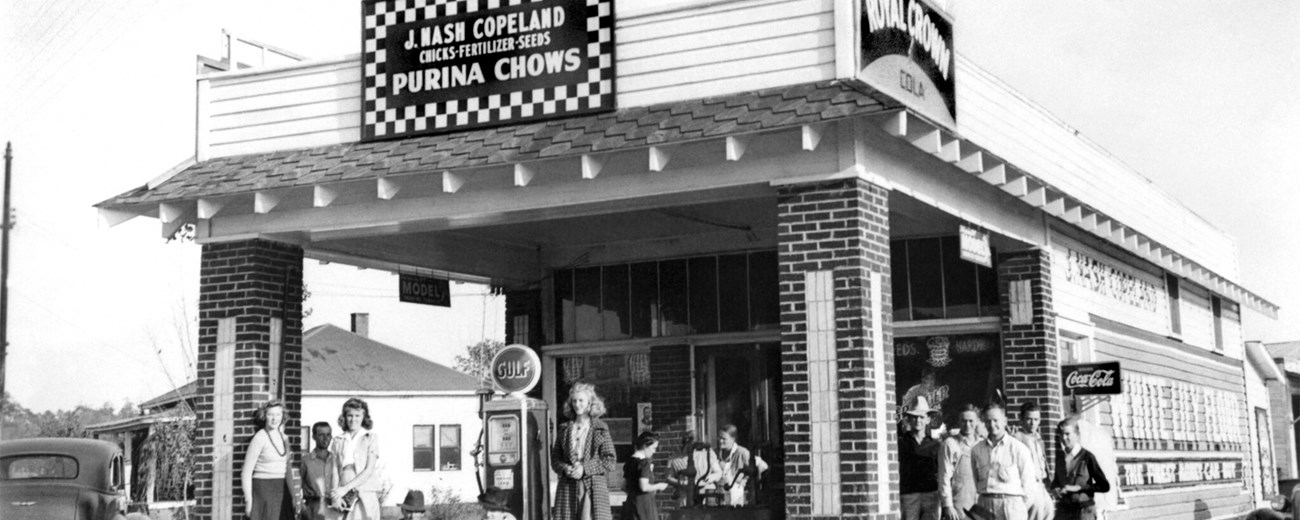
{"x":626,"y":128}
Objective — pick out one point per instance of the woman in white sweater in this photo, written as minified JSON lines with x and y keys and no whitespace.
{"x":267,"y":495}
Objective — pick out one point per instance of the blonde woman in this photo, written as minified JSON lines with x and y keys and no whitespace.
{"x":267,"y":491}
{"x":356,"y":452}
{"x":583,"y":455}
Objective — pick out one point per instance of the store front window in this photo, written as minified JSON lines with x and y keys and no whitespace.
{"x":949,"y":370}
{"x":678,"y":297}
{"x":623,"y":382}
{"x":932,"y":282}
{"x":740,"y":385}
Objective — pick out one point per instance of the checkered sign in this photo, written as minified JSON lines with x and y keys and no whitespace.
{"x":434,"y":66}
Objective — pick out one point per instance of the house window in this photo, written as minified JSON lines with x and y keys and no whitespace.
{"x":422,"y":456}
{"x":449,"y":447}
{"x":440,"y":453}
{"x":1216,"y":305}
{"x":1175,"y":305}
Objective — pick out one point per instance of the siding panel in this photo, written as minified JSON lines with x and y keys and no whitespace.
{"x":996,"y":117}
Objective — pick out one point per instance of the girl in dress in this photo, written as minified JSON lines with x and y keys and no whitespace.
{"x":639,"y":475}
{"x":583,"y":455}
{"x":357,"y":454}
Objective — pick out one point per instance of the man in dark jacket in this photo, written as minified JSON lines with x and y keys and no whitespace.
{"x":917,"y":467}
{"x":1078,"y":476}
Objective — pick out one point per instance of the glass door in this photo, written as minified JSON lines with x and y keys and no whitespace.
{"x":741,"y":385}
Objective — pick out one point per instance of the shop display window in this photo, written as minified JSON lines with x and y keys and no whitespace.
{"x":623,"y":381}
{"x":949,"y":370}
{"x":677,"y":297}
{"x":932,"y":282}
{"x":586,"y":304}
{"x":645,"y":299}
{"x":703,"y":299}
{"x":614,"y":302}
{"x":733,"y":293}
{"x":764,"y":292}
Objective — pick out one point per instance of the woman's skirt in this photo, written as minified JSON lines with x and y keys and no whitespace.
{"x":270,"y":501}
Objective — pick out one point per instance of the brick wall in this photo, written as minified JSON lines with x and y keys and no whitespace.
{"x":251,"y":281}
{"x":839,"y":226}
{"x":670,"y":392}
{"x":1031,"y":362}
{"x":1279,"y":403}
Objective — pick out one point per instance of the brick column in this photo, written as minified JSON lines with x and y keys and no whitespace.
{"x":248,"y":292}
{"x":670,"y":395}
{"x":837,"y":351}
{"x":1031,"y":361}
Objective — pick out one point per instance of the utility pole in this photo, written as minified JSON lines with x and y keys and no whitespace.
{"x":4,"y":269}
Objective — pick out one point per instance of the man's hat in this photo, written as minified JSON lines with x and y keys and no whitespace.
{"x":494,"y":499}
{"x":918,"y":408}
{"x":414,"y":501}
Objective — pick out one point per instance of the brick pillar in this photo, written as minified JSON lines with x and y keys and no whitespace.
{"x":1031,"y":361}
{"x":837,"y":351}
{"x":249,"y":292}
{"x":670,"y":397}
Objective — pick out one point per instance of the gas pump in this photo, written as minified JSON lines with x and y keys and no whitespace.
{"x":516,"y":457}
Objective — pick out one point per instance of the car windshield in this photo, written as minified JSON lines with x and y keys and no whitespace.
{"x":27,"y":467}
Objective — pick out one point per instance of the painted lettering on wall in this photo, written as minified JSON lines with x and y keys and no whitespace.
{"x":914,"y":19}
{"x":470,"y":63}
{"x":1103,"y":278}
{"x":907,"y":53}
{"x":1160,"y":474}
{"x":1164,"y":414}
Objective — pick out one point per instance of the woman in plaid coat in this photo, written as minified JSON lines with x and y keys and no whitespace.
{"x":583,"y":455}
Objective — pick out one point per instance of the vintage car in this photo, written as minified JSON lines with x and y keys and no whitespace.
{"x":65,"y":479}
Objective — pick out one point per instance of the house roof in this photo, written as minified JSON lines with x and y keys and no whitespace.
{"x":186,"y":391}
{"x":625,"y":128}
{"x":1284,"y":350}
{"x":334,"y":359}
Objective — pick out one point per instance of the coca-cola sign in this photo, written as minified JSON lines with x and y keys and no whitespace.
{"x":1091,"y":379}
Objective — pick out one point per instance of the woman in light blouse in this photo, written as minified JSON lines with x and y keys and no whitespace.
{"x":356,"y":451}
{"x":267,"y":493}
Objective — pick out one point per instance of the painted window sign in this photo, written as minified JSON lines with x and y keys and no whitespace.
{"x":1105,"y":279}
{"x":907,"y":52}
{"x":432,"y":66}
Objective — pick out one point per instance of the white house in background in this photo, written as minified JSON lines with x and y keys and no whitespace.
{"x":425,"y":414}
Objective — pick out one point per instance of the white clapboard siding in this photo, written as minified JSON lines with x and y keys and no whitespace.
{"x":723,"y":49}
{"x":299,"y":106}
{"x":996,"y":117}
{"x":1077,"y":302}
{"x":701,"y":49}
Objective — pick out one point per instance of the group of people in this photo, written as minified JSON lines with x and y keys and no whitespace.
{"x":583,"y":455}
{"x":987,"y":471}
{"x":339,"y":476}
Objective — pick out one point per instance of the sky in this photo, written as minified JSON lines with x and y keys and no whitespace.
{"x":98,"y":97}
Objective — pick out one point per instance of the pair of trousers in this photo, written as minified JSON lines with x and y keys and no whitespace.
{"x":1039,"y":503}
{"x":921,"y":506}
{"x":1004,"y":507}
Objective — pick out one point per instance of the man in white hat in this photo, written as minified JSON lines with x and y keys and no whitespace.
{"x":917,"y":468}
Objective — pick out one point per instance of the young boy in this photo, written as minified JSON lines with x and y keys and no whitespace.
{"x":318,"y":474}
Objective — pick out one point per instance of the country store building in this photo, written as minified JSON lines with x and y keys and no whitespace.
{"x":766,"y":213}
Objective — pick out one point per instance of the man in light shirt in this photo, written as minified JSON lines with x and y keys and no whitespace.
{"x":956,"y":478}
{"x":1037,"y":501}
{"x":1002,"y":466}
